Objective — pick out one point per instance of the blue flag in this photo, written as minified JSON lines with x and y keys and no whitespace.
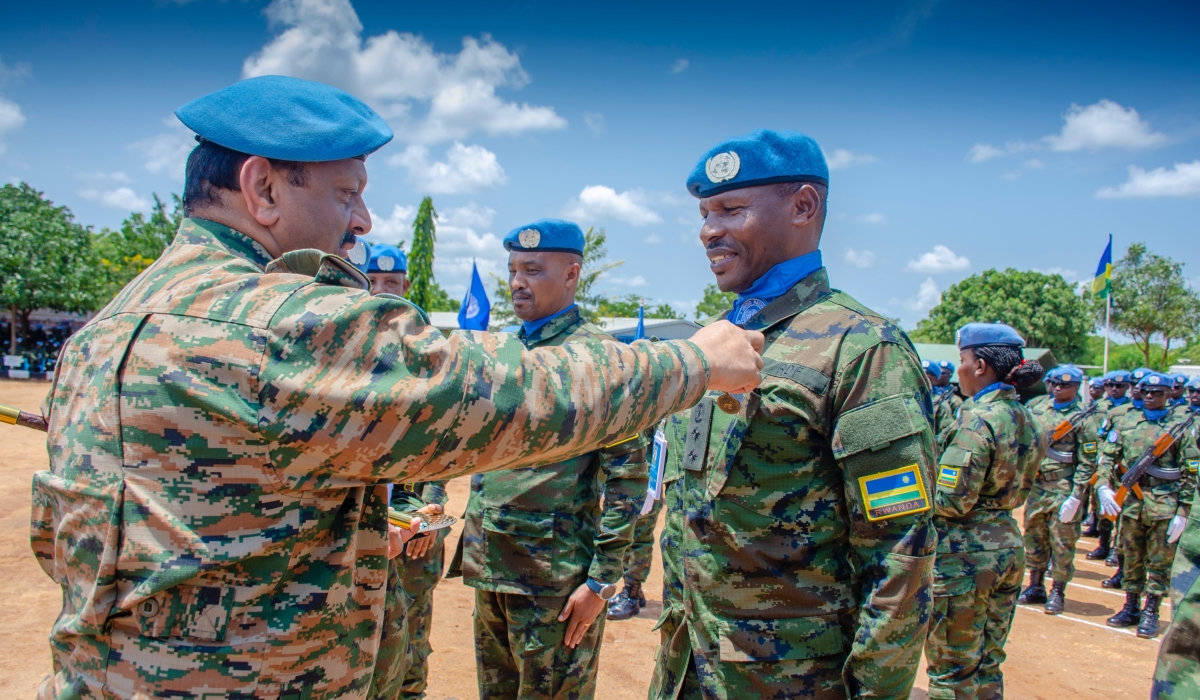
{"x":475,"y":311}
{"x":641,"y":327}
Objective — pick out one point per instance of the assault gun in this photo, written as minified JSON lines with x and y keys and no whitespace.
{"x":1071,"y":424}
{"x":1133,"y":475}
{"x":13,"y":416}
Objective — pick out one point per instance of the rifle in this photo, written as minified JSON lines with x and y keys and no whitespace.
{"x":13,"y":416}
{"x":1133,"y":475}
{"x":1069,"y":425}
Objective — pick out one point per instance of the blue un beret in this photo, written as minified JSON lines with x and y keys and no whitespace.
{"x":1065,"y":374}
{"x":1194,"y":385}
{"x":1156,"y":379}
{"x":931,"y":368}
{"x":946,"y":365}
{"x":387,"y":258}
{"x":758,"y":158}
{"x":1137,"y":375}
{"x":274,"y":116}
{"x":976,"y":334}
{"x":550,"y":235}
{"x":1181,"y":380}
{"x":1117,"y":376}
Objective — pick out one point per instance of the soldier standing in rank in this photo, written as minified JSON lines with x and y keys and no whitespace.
{"x":541,"y":552}
{"x":1095,"y":386}
{"x":946,"y":405}
{"x":1115,"y":417}
{"x":1154,"y":514}
{"x":798,"y":543}
{"x":638,"y":559}
{"x":989,"y":459}
{"x":1178,"y":390}
{"x":222,"y":433}
{"x":1116,"y":388}
{"x":1063,"y":478}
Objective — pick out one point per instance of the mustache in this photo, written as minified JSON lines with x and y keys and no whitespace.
{"x":348,"y":238}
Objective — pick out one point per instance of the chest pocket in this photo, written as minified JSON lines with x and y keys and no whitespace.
{"x":519,"y":546}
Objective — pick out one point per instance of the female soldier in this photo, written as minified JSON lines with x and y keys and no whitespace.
{"x":989,"y":458}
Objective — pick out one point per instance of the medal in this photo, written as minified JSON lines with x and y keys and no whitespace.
{"x":728,"y":403}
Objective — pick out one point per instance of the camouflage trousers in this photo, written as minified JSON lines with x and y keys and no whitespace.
{"x":974,"y":600}
{"x":519,"y":649}
{"x":640,"y":554}
{"x":1177,"y":675}
{"x":1148,"y":555}
{"x":395,"y":655}
{"x":1047,"y":538}
{"x":420,"y":577}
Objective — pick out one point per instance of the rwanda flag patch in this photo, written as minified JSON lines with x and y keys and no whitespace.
{"x":893,"y":493}
{"x":1193,"y":465}
{"x":948,"y":477}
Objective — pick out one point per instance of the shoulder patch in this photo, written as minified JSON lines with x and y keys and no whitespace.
{"x":893,"y":493}
{"x":1193,"y":465}
{"x":1089,"y":447}
{"x":948,"y":476}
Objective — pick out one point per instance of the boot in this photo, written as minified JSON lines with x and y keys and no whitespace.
{"x":628,"y":603}
{"x":1102,"y":548}
{"x":1036,"y":593}
{"x":1113,"y":559}
{"x":1148,"y":625}
{"x":1091,"y":527}
{"x":1128,"y":615}
{"x":1054,"y":605}
{"x":1117,"y":578}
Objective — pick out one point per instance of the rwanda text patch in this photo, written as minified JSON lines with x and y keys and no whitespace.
{"x":893,"y":493}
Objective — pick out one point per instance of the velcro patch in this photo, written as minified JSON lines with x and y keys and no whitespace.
{"x":893,"y":493}
{"x":948,"y":477}
{"x":1089,"y":447}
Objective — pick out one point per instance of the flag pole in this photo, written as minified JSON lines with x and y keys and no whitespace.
{"x":1107,"y":316}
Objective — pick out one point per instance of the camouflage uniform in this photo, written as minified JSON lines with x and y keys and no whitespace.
{"x":1066,"y":470}
{"x":1143,"y":528}
{"x":404,"y":648}
{"x":787,"y":569}
{"x":945,"y":410}
{"x":640,"y":555}
{"x":989,"y":459}
{"x":1177,"y":675}
{"x":220,"y":439}
{"x":531,"y":537}
{"x":1111,"y":415}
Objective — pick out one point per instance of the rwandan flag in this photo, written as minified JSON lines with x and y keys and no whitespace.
{"x":1102,"y":284}
{"x":893,"y":493}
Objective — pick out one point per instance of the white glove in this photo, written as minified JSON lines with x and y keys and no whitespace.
{"x":1070,"y":508}
{"x":1175,"y":529}
{"x":1108,"y":502}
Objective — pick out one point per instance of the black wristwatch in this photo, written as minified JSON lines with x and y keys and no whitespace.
{"x":604,"y":590}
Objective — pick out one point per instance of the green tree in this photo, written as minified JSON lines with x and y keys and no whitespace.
{"x":627,"y":307}
{"x":1151,"y":303}
{"x":420,"y":260}
{"x":46,"y":259}
{"x":714,"y":302}
{"x":1043,"y":308}
{"x":124,"y":253}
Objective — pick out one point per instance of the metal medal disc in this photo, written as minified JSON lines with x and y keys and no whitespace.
{"x":728,"y":404}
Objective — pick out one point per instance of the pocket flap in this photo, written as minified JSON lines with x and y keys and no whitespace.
{"x":195,"y":612}
{"x":950,"y":587}
{"x":783,"y":639}
{"x":956,"y":457}
{"x":522,"y":523}
{"x":876,"y":425}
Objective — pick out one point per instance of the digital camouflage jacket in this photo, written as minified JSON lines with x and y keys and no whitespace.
{"x":221,"y":435}
{"x":1069,"y":463}
{"x":945,"y":410}
{"x":799,"y":528}
{"x":1162,"y":498}
{"x":990,"y":457}
{"x":541,"y":531}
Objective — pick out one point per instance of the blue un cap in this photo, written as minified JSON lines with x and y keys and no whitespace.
{"x":387,"y":258}
{"x":1194,"y":385}
{"x":1155,"y":380}
{"x":946,"y":366}
{"x":758,"y":158}
{"x":274,"y":116}
{"x":1117,"y":376}
{"x":1181,"y":380}
{"x":931,"y":368}
{"x":975,"y":335}
{"x":1065,"y":374}
{"x":1137,"y":375}
{"x":549,"y":235}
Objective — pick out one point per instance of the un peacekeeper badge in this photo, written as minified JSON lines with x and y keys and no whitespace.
{"x":1193,"y":465}
{"x":529,"y":238}
{"x":722,"y":167}
{"x":729,"y":403}
{"x":893,"y":493}
{"x":386,"y":263}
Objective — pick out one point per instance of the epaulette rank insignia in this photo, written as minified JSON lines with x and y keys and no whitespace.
{"x":893,"y":493}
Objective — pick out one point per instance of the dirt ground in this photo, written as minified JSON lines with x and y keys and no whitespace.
{"x":1073,"y":655}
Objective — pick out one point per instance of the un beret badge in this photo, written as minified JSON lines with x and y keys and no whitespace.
{"x":386,"y":263}
{"x":529,"y":238}
{"x":722,"y":167}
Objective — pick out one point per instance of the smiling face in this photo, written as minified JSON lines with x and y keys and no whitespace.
{"x":320,"y":211}
{"x":542,"y":284}
{"x":1194,"y":397}
{"x":748,"y":231}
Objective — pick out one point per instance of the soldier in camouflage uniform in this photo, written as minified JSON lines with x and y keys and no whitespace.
{"x":945,"y":409}
{"x":222,"y":433}
{"x":419,"y":574}
{"x":1152,"y":521}
{"x":798,"y":543}
{"x":989,"y":458}
{"x":1116,"y":388}
{"x":538,"y":548}
{"x":638,"y":559}
{"x":1063,"y":478}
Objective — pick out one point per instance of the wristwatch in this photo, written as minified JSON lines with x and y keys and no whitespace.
{"x":604,"y":590}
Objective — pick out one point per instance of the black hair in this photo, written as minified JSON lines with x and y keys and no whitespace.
{"x":1008,"y":363}
{"x":211,"y":166}
{"x":785,"y":190}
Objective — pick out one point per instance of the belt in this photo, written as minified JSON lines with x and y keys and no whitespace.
{"x":1057,"y":473}
{"x":1060,"y":456}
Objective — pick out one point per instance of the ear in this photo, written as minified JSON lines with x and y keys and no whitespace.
{"x":806,"y":205}
{"x":573,"y":272}
{"x":258,"y":182}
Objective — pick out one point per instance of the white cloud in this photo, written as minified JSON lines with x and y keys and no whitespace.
{"x":11,"y":116}
{"x":860,"y":258}
{"x":166,"y":153}
{"x":394,"y":228}
{"x":940,"y":259}
{"x":635,"y":281}
{"x":122,"y":198}
{"x":428,"y":97}
{"x":462,"y":240}
{"x":466,"y":169}
{"x":928,"y":295}
{"x":652,"y":239}
{"x":679,"y":66}
{"x":101,"y":176}
{"x":1012,"y":175}
{"x":1034,"y":164}
{"x":981,"y":152}
{"x":841,"y":158}
{"x":1068,"y":275}
{"x":1105,"y":124}
{"x":600,"y":202}
{"x":595,"y":122}
{"x":874,"y":218}
{"x":1183,"y":180}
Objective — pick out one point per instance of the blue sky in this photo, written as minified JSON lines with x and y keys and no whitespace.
{"x":964,"y":135}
